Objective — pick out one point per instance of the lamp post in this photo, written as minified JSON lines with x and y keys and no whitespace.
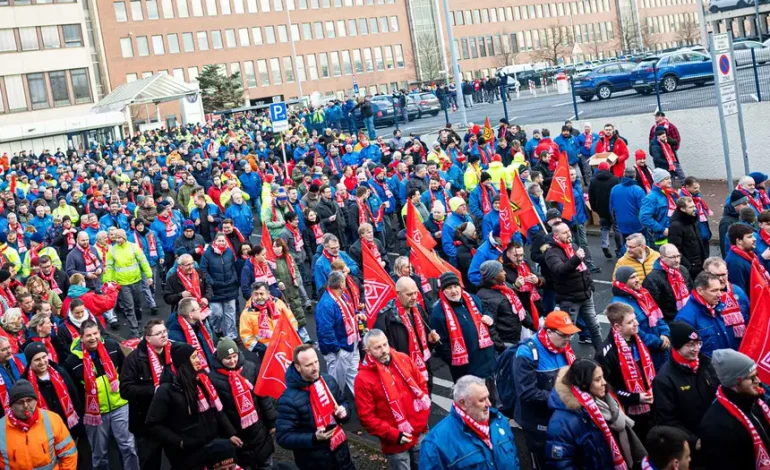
{"x":289,"y":7}
{"x":455,"y":67}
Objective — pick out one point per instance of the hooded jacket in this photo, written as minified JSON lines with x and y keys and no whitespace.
{"x":47,"y":444}
{"x":220,"y":274}
{"x":599,"y":193}
{"x":654,"y":214}
{"x":507,"y":322}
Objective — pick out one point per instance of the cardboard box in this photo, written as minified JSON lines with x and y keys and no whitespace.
{"x":609,"y":157}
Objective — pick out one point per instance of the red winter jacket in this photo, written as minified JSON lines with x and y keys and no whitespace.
{"x":549,"y":146}
{"x":617,"y":146}
{"x":373,"y":409}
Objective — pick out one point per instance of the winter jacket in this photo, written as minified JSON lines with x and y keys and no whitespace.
{"x":476,"y":199}
{"x":26,"y":267}
{"x":249,"y":326}
{"x":176,"y":334}
{"x":251,"y":183}
{"x":684,"y":233}
{"x":609,"y":359}
{"x":465,"y":248}
{"x":486,"y":252}
{"x":330,"y":327}
{"x":658,"y":157}
{"x":53,"y":404}
{"x":481,"y":362}
{"x":109,"y":401}
{"x":729,"y":217}
{"x":725,"y":441}
{"x":569,"y":145}
{"x":590,"y":150}
{"x":507,"y":322}
{"x":625,"y":204}
{"x":654,"y":214}
{"x":574,"y":442}
{"x":619,"y":147}
{"x":570,"y":284}
{"x":274,"y":221}
{"x":374,"y":409}
{"x":47,"y":444}
{"x":137,"y":387}
{"x":682,"y":396}
{"x":451,"y":445}
{"x":357,"y":256}
{"x":642,"y":268}
{"x":390,"y":323}
{"x":125,"y":264}
{"x":247,"y":278}
{"x":323,"y":267}
{"x":190,"y":246}
{"x":295,"y":426}
{"x":451,"y":223}
{"x":257,"y":442}
{"x":220,"y":274}
{"x":242,"y":217}
{"x":172,"y":293}
{"x":739,"y":271}
{"x":599,"y":192}
{"x":145,"y":245}
{"x":325,"y":210}
{"x":660,"y":288}
{"x":712,"y":330}
{"x":650,"y":334}
{"x":75,"y":263}
{"x":581,"y":210}
{"x":201,"y":215}
{"x":119,"y":220}
{"x":181,"y":428}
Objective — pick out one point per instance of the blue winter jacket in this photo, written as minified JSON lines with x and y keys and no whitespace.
{"x":323,"y":267}
{"x":295,"y":426}
{"x":573,"y":441}
{"x":330,"y":326}
{"x":654,"y":214}
{"x":486,"y":252}
{"x":625,"y":203}
{"x":451,"y":223}
{"x":334,"y":113}
{"x":451,"y":445}
{"x":490,"y":222}
{"x":738,"y":270}
{"x":379,"y":190}
{"x":159,"y":255}
{"x":176,"y":334}
{"x":300,"y":152}
{"x":712,"y":330}
{"x":591,"y":150}
{"x":456,"y":176}
{"x":247,"y":279}
{"x":17,"y":374}
{"x":371,"y":152}
{"x":251,"y":183}
{"x":242,"y":218}
{"x":650,"y":335}
{"x":581,"y":211}
{"x":440,"y":196}
{"x":352,"y":159}
{"x":108,"y":220}
{"x":214,"y":212}
{"x":221,"y":274}
{"x":165,"y":241}
{"x":529,"y":149}
{"x":569,"y":145}
{"x":475,"y":200}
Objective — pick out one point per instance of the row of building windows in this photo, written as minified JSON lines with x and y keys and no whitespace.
{"x":155,"y":9}
{"x":553,"y":10}
{"x":35,"y":91}
{"x":245,"y":37}
{"x":6,"y":3}
{"x":35,"y":38}
{"x":664,"y":3}
{"x":668,"y":23}
{"x":267,"y":72}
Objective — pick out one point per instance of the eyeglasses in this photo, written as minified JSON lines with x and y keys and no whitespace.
{"x":562,"y":335}
{"x":160,"y":333}
{"x":186,"y":264}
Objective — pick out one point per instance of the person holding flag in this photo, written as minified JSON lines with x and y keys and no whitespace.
{"x":526,"y":216}
{"x":458,"y":216}
{"x":480,"y":200}
{"x":741,"y":259}
{"x":316,"y":438}
{"x":500,"y":299}
{"x":392,"y":401}
{"x":260,"y":316}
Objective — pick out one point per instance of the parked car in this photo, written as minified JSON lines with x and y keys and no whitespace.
{"x":427,"y":103}
{"x":386,"y":102}
{"x":603,"y":81}
{"x":742,"y":52}
{"x":670,"y":71}
{"x":723,"y":5}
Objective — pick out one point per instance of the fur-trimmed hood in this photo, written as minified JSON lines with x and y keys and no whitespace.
{"x":561,"y":397}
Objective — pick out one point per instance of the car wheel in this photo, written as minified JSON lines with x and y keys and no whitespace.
{"x":669,"y":84}
{"x":586,"y":97}
{"x":742,"y":4}
{"x":714,"y":9}
{"x":434,"y":114}
{"x":604,"y":92}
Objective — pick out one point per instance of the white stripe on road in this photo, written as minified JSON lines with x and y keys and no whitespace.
{"x":443,"y":383}
{"x":443,"y":402}
{"x":600,"y":281}
{"x":573,"y":117}
{"x":562,"y":104}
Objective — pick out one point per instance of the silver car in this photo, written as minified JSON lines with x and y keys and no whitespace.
{"x":743,"y":52}
{"x":427,"y":102}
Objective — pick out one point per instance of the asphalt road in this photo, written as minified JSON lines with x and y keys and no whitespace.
{"x":552,"y":107}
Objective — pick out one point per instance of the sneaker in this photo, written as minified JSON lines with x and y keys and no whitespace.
{"x":154,"y":311}
{"x":595,"y":269}
{"x":585,"y":340}
{"x":607,"y":253}
{"x":115,"y":325}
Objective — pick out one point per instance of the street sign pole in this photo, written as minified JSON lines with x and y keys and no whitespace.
{"x":718,"y":40}
{"x":280,"y":120}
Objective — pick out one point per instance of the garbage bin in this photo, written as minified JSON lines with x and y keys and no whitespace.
{"x":562,"y":84}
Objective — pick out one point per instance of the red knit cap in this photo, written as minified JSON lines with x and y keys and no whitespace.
{"x":604,"y":166}
{"x":640,"y":155}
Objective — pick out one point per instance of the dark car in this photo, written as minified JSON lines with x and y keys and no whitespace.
{"x":603,"y":81}
{"x":386,"y":104}
{"x":670,"y":71}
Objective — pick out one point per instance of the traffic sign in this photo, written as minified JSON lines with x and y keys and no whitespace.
{"x":725,"y":68}
{"x":279,"y":116}
{"x":721,"y":42}
{"x":730,"y":107}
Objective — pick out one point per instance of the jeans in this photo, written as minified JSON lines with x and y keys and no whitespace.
{"x":343,"y":366}
{"x":581,"y":239}
{"x":148,"y":292}
{"x":114,"y":424}
{"x":606,"y":225}
{"x":678,"y":173}
{"x":408,"y":459}
{"x":586,"y":310}
{"x":222,"y":318}
{"x":352,"y":128}
{"x":468,"y":101}
{"x":369,"y":123}
{"x":130,"y":305}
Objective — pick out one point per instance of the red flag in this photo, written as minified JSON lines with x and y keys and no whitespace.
{"x":561,"y":189}
{"x":489,"y":134}
{"x":427,"y":263}
{"x":526,"y":216}
{"x":379,"y":288}
{"x":756,"y":343}
{"x":508,"y":225}
{"x":12,"y":186}
{"x":271,"y":381}
{"x":415,"y":228}
{"x":267,"y":242}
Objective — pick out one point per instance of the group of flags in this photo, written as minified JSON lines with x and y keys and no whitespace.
{"x":756,"y":342}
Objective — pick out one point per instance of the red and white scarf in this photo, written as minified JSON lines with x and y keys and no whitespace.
{"x":243,"y":394}
{"x":241,"y":239}
{"x":513,"y":299}
{"x":348,"y":317}
{"x":645,"y":301}
{"x":393,"y":395}
{"x":646,"y":184}
{"x":456,"y":340}
{"x":731,"y":312}
{"x":318,"y":233}
{"x":763,"y":197}
{"x":156,"y":368}
{"x":152,"y":244}
{"x":60,"y":388}
{"x":669,"y":154}
{"x":703,"y":209}
{"x":297,"y":236}
{"x":589,"y":404}
{"x":682,"y":361}
{"x":486,"y":201}
{"x":364,"y":212}
{"x":91,"y":261}
{"x":567,"y":350}
{"x":52,"y":355}
{"x":635,"y":380}
{"x":20,"y":247}
{"x":266,"y":318}
{"x":373,"y":247}
{"x":755,"y":202}
{"x":760,"y":451}
{"x":752,"y":258}
{"x":191,"y":283}
{"x":418,"y":342}
{"x":49,"y":278}
{"x":678,"y":285}
{"x":207,"y":394}
{"x":7,"y":294}
{"x":480,"y":429}
{"x":23,"y":425}
{"x":570,"y":252}
{"x":322,"y":405}
{"x":670,"y":198}
{"x":523,"y":271}
{"x":93,"y":414}
{"x":192,"y":339}
{"x":262,"y":272}
{"x":5,"y":399}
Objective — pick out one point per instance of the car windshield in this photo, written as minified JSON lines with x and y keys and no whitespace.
{"x":647,"y":63}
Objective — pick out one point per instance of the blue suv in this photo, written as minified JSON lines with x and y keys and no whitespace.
{"x":603,"y":81}
{"x":672,"y":70}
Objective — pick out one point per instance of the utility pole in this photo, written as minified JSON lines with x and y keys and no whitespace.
{"x":455,"y":68}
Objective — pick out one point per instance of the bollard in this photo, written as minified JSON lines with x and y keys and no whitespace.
{"x":756,"y":74}
{"x":505,"y":102}
{"x":574,"y":98}
{"x":657,"y":85}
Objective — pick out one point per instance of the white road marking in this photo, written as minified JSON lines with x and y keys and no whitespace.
{"x":600,"y":281}
{"x":442,"y":402}
{"x":443,"y":383}
{"x":569,"y":103}
{"x":575,"y":117}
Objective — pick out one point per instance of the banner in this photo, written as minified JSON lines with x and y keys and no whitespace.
{"x":379,"y":288}
{"x":561,"y":189}
{"x":489,"y":134}
{"x":508,"y":224}
{"x":271,"y":381}
{"x":267,"y":242}
{"x":415,"y":228}
{"x":526,"y":216}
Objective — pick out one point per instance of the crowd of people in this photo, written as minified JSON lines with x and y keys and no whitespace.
{"x":89,"y":239}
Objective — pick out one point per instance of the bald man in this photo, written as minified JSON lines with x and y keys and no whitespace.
{"x":407,"y":326}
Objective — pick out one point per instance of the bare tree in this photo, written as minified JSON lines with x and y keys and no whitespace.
{"x":629,"y":34}
{"x":556,"y":45}
{"x":429,"y":57}
{"x":688,"y":33}
{"x":649,"y":40}
{"x":506,"y":56}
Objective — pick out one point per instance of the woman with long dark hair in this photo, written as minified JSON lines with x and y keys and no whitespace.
{"x":289,"y":280}
{"x":588,"y":429}
{"x":186,"y":412}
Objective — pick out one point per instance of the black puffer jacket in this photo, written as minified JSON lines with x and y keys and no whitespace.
{"x":599,"y":192}
{"x":257,"y":442}
{"x":684,"y":233}
{"x":466,"y":248}
{"x":389,"y":321}
{"x":137,"y":387}
{"x":507,"y":322}
{"x":569,"y":283}
{"x":171,"y":421}
{"x":657,"y":283}
{"x":541,"y":242}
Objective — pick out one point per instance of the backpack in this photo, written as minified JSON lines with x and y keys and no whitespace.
{"x":506,"y":390}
